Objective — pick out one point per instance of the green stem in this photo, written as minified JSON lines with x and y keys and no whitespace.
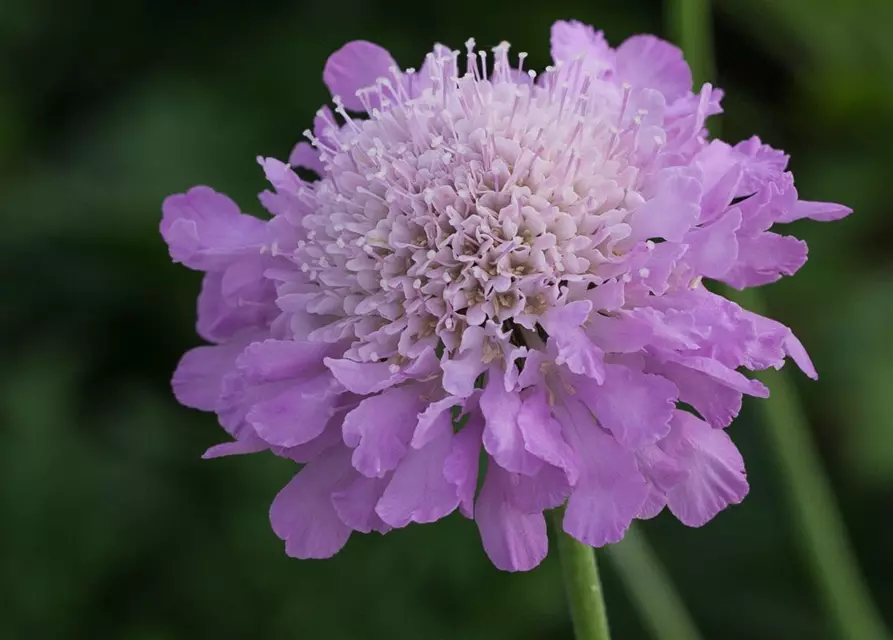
{"x":650,"y":588}
{"x":582,"y":584}
{"x":823,"y":537}
{"x":810,"y":499}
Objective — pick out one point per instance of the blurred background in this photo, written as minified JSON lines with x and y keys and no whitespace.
{"x":110,"y":524}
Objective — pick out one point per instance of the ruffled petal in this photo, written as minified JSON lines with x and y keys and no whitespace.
{"x":513,"y":540}
{"x":716,"y":476}
{"x":635,"y":407}
{"x":380,"y":429}
{"x":646,"y":61}
{"x":303,"y":514}
{"x":205,"y":230}
{"x":462,"y":464}
{"x":502,"y":435}
{"x":355,"y":66}
{"x":419,"y":491}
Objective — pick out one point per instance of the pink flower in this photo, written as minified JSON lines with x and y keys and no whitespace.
{"x":495,"y":263}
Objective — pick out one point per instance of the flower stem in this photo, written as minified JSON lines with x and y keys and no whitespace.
{"x":650,"y":588}
{"x":582,"y":584}
{"x":823,"y":537}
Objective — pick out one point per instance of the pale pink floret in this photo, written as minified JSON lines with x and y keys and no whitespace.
{"x":495,"y":263}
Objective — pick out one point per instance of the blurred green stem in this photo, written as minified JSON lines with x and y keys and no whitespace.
{"x":808,"y":492}
{"x":650,"y":588}
{"x":581,"y":584}
{"x":820,"y":528}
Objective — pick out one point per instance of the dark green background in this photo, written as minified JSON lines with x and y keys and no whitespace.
{"x":110,"y":524}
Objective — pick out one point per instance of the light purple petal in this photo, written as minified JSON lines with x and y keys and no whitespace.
{"x":514,"y":540}
{"x":542,"y":433}
{"x":380,"y":429}
{"x":273,"y":360}
{"x":670,"y":213}
{"x":502,"y":435}
{"x":716,"y":470}
{"x":713,"y":249}
{"x":355,"y":504}
{"x":610,"y":490}
{"x":434,"y":421}
{"x":717,"y":403}
{"x":646,"y":61}
{"x":250,"y":444}
{"x":304,"y":155}
{"x":821,"y":211}
{"x":197,"y":382}
{"x":575,"y":349}
{"x":765,"y":258}
{"x":572,"y":39}
{"x":303,"y":514}
{"x":462,"y":464}
{"x":419,"y":490}
{"x":355,"y":66}
{"x":296,"y":415}
{"x":205,"y":230}
{"x":635,"y":407}
{"x":363,"y":378}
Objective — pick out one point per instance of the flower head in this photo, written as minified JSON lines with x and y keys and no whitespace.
{"x":495,"y":264}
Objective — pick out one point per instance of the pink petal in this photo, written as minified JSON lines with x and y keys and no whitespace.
{"x":205,"y":230}
{"x":713,"y":249}
{"x":821,"y":211}
{"x":514,"y":540}
{"x":502,"y":435}
{"x":765,"y":258}
{"x":198,"y":380}
{"x":355,"y":504}
{"x":303,"y":514}
{"x":635,"y":407}
{"x":296,"y":415}
{"x":646,"y":61}
{"x":542,"y":433}
{"x":610,"y":490}
{"x":716,"y":470}
{"x":419,"y":490}
{"x":380,"y":429}
{"x":669,"y":214}
{"x":355,"y":66}
{"x":461,"y":465}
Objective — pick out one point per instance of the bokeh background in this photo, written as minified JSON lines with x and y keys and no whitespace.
{"x":110,"y":524}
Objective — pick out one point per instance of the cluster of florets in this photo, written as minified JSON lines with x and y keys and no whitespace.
{"x":498,"y":272}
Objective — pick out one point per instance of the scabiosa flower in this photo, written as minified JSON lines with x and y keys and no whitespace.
{"x":497,"y":273}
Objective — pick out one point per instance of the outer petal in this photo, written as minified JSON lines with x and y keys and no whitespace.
{"x":380,"y":429}
{"x":296,"y":415}
{"x":646,"y":61}
{"x":571,"y":39}
{"x":304,"y":155}
{"x":542,"y":433}
{"x":821,"y":211}
{"x":197,"y":382}
{"x":250,"y":444}
{"x":355,"y":504}
{"x":716,"y":470}
{"x":502,"y":435}
{"x":635,"y":407}
{"x":273,"y":360}
{"x":419,"y":490}
{"x":671,"y":213}
{"x":713,"y":249}
{"x":575,"y":349}
{"x":462,"y":464}
{"x":355,"y":66}
{"x":716,"y":402}
{"x":434,"y":421}
{"x":205,"y":230}
{"x":610,"y":491}
{"x":303,"y":514}
{"x":514,"y":540}
{"x":765,"y":258}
